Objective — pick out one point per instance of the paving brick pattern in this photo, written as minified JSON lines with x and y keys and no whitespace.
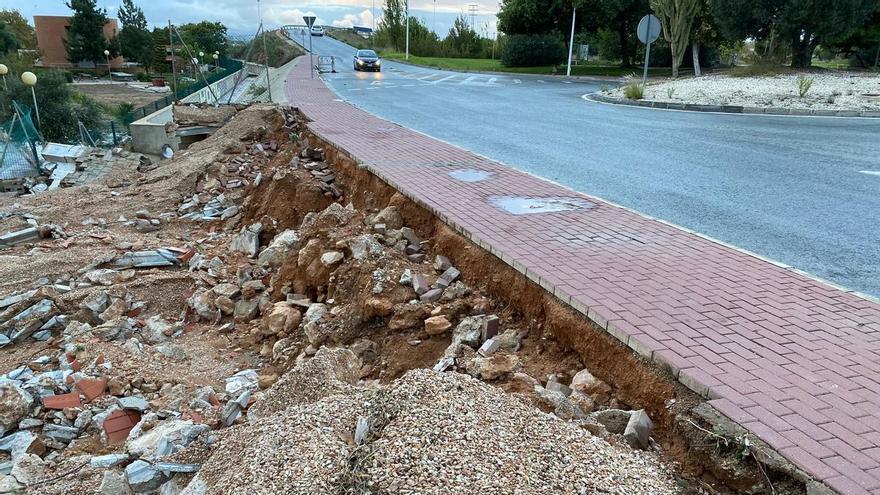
{"x":793,"y":360}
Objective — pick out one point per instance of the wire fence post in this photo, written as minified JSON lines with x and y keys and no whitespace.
{"x":113,"y":130}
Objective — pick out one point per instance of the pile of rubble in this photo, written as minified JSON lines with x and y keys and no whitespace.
{"x":262,"y":334}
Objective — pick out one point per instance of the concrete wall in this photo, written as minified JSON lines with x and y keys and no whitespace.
{"x":148,"y":134}
{"x":51,"y":34}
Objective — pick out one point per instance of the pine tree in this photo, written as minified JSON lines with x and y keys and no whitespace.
{"x":85,"y":38}
{"x":135,"y":40}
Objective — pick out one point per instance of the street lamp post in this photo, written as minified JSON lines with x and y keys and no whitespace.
{"x":407,"y":30}
{"x":107,"y":54}
{"x":571,"y":40}
{"x":216,"y":60}
{"x":30,"y":79}
{"x":3,"y":71}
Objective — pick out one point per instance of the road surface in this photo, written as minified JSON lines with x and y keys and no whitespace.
{"x":804,"y":191}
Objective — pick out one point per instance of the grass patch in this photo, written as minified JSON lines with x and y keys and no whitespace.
{"x":634,"y":91}
{"x":489,"y":65}
{"x":759,"y":70}
{"x":350,"y":37}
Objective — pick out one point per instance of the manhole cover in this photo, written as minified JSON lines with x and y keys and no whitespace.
{"x":525,"y":206}
{"x":470,"y":175}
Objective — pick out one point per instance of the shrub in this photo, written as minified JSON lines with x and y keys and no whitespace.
{"x":144,"y":77}
{"x":804,"y":84}
{"x":634,"y":91}
{"x":670,"y":91}
{"x":523,"y":50}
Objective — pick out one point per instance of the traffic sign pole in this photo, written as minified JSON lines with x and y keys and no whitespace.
{"x":310,"y":21}
{"x":647,"y":56}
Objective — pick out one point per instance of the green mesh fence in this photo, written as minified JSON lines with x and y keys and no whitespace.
{"x":18,"y":148}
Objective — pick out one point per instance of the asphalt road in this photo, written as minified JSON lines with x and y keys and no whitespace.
{"x":793,"y":189}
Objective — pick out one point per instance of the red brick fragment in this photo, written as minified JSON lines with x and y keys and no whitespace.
{"x":62,"y":401}
{"x":118,"y":424}
{"x":92,"y":389}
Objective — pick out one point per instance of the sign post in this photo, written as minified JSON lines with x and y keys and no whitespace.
{"x":310,"y":21}
{"x":648,"y":32}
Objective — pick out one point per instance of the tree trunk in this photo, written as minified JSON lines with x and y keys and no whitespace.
{"x":802,"y":51}
{"x":695,"y":50}
{"x":877,"y":57}
{"x":676,"y":60}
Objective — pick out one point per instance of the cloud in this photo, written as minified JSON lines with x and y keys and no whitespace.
{"x":364,"y":19}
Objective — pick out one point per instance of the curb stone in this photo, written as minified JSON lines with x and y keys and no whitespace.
{"x":694,"y":107}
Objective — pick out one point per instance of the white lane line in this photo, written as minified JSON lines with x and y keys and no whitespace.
{"x":870,"y":172}
{"x":468,"y":80}
{"x":426,"y":77}
{"x":491,"y":81}
{"x":517,"y":81}
{"x":443,"y":79}
{"x":566,"y":82}
{"x":542,"y":81}
{"x":373,"y":87}
{"x":355,"y":89}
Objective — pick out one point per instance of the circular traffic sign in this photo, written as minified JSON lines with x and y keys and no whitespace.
{"x":649,"y":29}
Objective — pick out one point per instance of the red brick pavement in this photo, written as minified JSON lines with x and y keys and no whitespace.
{"x":793,"y":360}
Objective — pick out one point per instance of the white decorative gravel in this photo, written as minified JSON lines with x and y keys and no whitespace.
{"x":837,"y":91}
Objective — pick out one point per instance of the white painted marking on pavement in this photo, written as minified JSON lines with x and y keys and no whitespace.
{"x":492,"y":80}
{"x":870,"y":172}
{"x":542,"y":81}
{"x":426,"y":77}
{"x":443,"y":79}
{"x":566,"y":82}
{"x":517,"y":81}
{"x":468,"y":80}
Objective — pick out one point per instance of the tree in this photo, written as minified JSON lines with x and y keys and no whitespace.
{"x":462,"y":40}
{"x":8,"y":41}
{"x":136,"y":42}
{"x":85,"y":38}
{"x":392,"y":26}
{"x":863,"y":46}
{"x":677,"y":18}
{"x":802,"y":24}
{"x":19,"y":28}
{"x":205,"y":36}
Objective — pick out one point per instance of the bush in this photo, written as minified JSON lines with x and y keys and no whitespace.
{"x":522,"y":50}
{"x":144,"y":77}
{"x":634,"y":91}
{"x":804,"y":84}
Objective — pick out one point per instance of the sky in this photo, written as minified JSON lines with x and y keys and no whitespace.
{"x":241,"y":17}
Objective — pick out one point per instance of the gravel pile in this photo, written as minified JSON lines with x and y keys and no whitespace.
{"x":828,"y":91}
{"x":430,"y":433}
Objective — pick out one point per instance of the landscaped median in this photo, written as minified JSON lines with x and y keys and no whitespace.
{"x":829,"y":95}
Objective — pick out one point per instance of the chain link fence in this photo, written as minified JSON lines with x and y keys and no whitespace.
{"x":18,"y":145}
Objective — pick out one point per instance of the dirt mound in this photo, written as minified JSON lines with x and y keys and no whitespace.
{"x":427,"y":432}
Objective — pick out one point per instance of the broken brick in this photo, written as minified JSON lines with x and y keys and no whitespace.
{"x":62,"y":401}
{"x":119,"y":423}
{"x":92,"y":389}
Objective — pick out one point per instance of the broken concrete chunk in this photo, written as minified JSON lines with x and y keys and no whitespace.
{"x":489,"y":347}
{"x":389,"y":218}
{"x":108,"y":461}
{"x":449,"y":276}
{"x":147,"y":259}
{"x":176,"y":467}
{"x":241,"y":381}
{"x":279,"y":248}
{"x":420,"y":284}
{"x":614,"y":420}
{"x":15,"y":403}
{"x":248,"y":240}
{"x":410,"y":235}
{"x":331,"y":258}
{"x":490,"y":327}
{"x":134,"y":403}
{"x":432,"y":295}
{"x":441,"y":263}
{"x":406,"y":278}
{"x":638,"y":430}
{"x":143,"y":476}
{"x":59,"y":433}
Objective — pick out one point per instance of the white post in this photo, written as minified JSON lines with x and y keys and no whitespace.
{"x":571,"y":41}
{"x":407,"y":30}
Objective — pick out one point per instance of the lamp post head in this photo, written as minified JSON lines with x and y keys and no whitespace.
{"x":201,"y":54}
{"x":29,"y":78}
{"x":216,"y":56}
{"x":3,"y":70}
{"x":106,"y":53}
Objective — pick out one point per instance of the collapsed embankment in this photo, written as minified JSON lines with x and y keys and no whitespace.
{"x":312,"y":330}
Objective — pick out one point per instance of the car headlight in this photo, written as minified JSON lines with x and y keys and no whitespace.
{"x":360,"y":62}
{"x":378,"y":62}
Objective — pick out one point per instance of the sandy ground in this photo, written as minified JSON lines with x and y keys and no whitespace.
{"x":842,"y":91}
{"x":114,"y":94}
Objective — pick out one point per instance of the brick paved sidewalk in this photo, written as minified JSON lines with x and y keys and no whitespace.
{"x":793,"y":360}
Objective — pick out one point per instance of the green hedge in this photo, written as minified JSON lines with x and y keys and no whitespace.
{"x":532,"y":50}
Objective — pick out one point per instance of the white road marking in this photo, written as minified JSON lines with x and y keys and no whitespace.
{"x":468,"y":80}
{"x":542,"y":81}
{"x":443,"y":79}
{"x":870,"y":172}
{"x":492,"y":80}
{"x":566,"y":82}
{"x":355,"y":89}
{"x":517,"y":81}
{"x":426,"y":77}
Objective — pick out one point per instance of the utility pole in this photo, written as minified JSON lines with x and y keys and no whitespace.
{"x":434,"y":22}
{"x":407,"y":30}
{"x":173,"y":70}
{"x":571,"y":40}
{"x":265,"y":51}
